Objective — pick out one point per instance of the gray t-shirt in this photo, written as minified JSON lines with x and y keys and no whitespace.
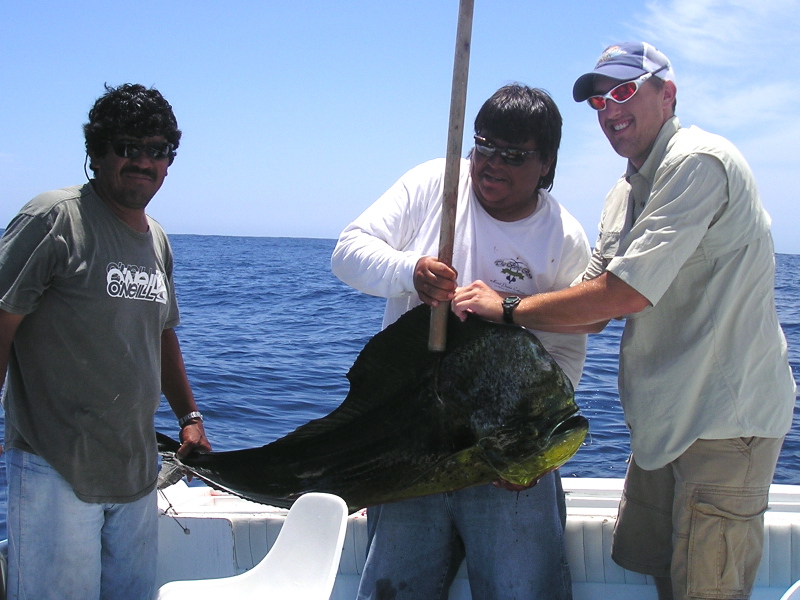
{"x":84,"y":374}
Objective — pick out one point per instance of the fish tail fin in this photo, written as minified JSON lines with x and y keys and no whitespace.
{"x":166,"y":443}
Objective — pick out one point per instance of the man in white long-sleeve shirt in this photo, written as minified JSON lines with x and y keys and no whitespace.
{"x":513,"y":235}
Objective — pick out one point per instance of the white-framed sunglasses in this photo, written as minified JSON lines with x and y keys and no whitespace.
{"x":621,"y":93}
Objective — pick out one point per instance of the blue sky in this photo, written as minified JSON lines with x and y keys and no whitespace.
{"x":298,"y":115}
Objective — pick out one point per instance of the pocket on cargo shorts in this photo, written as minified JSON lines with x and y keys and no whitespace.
{"x":725,"y":542}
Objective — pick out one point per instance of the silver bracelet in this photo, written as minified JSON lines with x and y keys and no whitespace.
{"x":185,"y":419}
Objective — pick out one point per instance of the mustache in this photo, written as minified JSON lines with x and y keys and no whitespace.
{"x":138,"y":171}
{"x":491,"y":172}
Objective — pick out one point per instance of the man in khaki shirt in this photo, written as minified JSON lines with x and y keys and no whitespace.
{"x":685,"y":255}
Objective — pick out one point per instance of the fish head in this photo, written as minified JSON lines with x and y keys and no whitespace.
{"x":519,"y":404}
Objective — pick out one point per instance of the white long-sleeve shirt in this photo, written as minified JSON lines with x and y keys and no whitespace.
{"x":546,"y":251}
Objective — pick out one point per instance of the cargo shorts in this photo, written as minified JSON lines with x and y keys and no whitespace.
{"x":700,"y":519}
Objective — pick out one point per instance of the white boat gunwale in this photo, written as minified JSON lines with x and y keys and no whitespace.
{"x":230,"y":535}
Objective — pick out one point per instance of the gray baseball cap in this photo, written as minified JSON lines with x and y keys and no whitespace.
{"x":625,"y":62}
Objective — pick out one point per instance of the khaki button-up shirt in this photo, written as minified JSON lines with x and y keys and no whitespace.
{"x":708,"y":359}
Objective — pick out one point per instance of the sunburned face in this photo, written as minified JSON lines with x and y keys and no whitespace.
{"x":633,"y":126}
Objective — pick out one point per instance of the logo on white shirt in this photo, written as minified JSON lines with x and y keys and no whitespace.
{"x":514,"y":271}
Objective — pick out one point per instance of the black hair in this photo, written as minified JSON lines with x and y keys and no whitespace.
{"x":130,"y":110}
{"x":515,"y":114}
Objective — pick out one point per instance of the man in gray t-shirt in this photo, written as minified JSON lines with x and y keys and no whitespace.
{"x":87,"y":346}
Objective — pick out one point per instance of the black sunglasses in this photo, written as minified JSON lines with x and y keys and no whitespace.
{"x":155,"y":150}
{"x":510,"y":156}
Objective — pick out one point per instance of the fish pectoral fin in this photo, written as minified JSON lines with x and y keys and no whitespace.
{"x":171,"y":473}
{"x":461,"y":469}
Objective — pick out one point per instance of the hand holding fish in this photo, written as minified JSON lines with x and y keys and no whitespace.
{"x":193,"y":437}
{"x":434,"y":281}
{"x":479,"y":299}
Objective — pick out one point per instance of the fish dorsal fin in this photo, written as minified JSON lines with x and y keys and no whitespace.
{"x":391,"y":367}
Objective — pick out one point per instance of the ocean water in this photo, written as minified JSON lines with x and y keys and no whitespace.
{"x":268,"y":335}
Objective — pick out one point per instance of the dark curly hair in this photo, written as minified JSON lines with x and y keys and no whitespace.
{"x":516,"y":113}
{"x":132,"y":110}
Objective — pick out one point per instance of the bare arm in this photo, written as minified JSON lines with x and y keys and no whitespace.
{"x":584,"y":308}
{"x":178,"y":392}
{"x":9,"y":323}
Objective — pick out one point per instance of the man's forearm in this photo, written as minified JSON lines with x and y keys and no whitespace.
{"x":9,"y":323}
{"x":174,"y":382}
{"x":582,"y":307}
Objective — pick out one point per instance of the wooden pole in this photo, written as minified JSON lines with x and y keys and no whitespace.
{"x":437,"y":337}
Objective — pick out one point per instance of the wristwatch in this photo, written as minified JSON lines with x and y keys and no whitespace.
{"x":184,"y":420}
{"x":509,"y":304}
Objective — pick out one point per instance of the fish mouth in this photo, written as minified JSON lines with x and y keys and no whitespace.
{"x":570,"y":424}
{"x":553,"y":450}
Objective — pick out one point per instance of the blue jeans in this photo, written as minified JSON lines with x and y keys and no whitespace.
{"x":513,"y":544}
{"x":61,"y":547}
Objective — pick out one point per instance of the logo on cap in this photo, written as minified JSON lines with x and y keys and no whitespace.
{"x":610,"y":53}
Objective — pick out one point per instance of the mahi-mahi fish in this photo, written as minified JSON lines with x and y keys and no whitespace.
{"x":494,"y":405}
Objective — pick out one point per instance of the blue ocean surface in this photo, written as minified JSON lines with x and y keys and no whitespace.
{"x":268,"y":335}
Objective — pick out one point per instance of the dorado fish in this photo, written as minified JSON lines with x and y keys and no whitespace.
{"x":494,"y":405}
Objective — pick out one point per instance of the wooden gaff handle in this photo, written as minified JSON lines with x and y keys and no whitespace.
{"x":437,"y":337}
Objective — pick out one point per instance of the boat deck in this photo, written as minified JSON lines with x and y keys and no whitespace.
{"x":206,"y":534}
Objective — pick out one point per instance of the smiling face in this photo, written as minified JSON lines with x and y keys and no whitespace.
{"x":507,"y":192}
{"x":127,"y":185}
{"x":632,"y":127}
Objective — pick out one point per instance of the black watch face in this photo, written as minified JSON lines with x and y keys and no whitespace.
{"x":509,"y":304}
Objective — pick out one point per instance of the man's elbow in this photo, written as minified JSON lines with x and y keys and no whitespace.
{"x":629,"y":300}
{"x":595,"y":327}
{"x":636,"y":304}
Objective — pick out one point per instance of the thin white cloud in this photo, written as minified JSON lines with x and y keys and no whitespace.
{"x":736,"y":110}
{"x":736,"y":62}
{"x":742,"y":35}
{"x":737,"y":65}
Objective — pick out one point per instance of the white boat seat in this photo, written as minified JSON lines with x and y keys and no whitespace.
{"x":793,"y":593}
{"x":301,"y":565}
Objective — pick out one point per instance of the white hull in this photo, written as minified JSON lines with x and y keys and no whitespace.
{"x":227,"y":536}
